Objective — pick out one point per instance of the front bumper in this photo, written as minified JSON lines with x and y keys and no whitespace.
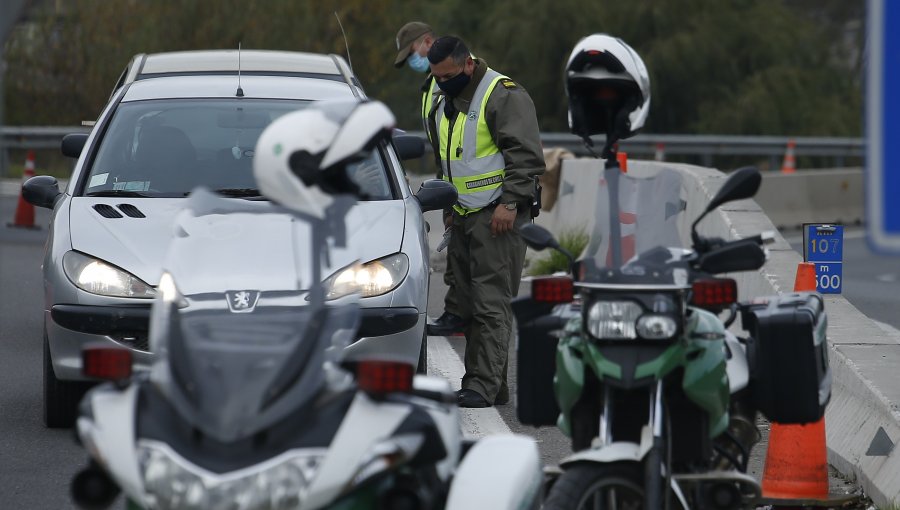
{"x":394,"y":333}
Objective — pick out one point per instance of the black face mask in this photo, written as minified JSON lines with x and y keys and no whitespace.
{"x":455,"y":85}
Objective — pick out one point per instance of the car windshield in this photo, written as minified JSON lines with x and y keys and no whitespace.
{"x":166,"y":148}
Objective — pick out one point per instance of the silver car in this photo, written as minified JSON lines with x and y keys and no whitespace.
{"x":192,"y":122}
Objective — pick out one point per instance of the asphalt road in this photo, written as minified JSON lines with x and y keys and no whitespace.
{"x":36,"y":464}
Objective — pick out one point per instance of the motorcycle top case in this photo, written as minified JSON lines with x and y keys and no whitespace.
{"x":790,"y":375}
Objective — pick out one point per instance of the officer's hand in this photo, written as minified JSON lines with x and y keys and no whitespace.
{"x":448,"y":221}
{"x":502,"y":220}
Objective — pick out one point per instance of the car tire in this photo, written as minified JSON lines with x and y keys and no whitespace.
{"x":60,"y":397}
{"x":422,"y":367}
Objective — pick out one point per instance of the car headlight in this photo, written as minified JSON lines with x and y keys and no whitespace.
{"x":370,"y":279}
{"x":172,"y":482}
{"x":98,"y":277}
{"x":656,"y":327}
{"x":613,"y":320}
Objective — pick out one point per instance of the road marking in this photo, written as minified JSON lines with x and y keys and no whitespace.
{"x":887,"y":278}
{"x":443,"y":361}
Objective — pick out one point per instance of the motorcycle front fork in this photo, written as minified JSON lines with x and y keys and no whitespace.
{"x":654,"y":468}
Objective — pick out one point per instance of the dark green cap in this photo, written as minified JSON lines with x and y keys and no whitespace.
{"x":406,"y":36}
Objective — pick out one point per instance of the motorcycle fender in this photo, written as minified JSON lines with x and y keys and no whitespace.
{"x":501,"y":472}
{"x":447,"y":419}
{"x":366,"y":423}
{"x":568,"y":382}
{"x":614,"y":452}
{"x":110,"y":435}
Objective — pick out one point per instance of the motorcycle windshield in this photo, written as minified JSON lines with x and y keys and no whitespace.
{"x":241,"y":329}
{"x":638,"y":221}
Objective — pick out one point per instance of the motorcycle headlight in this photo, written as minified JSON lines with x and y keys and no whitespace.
{"x":97,"y":277}
{"x":613,"y":320}
{"x":172,"y":482}
{"x":370,"y":279}
{"x":656,"y":327}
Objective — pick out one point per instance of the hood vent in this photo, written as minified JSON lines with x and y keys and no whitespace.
{"x":107,"y":211}
{"x":131,"y":211}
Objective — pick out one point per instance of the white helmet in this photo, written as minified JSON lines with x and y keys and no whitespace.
{"x":608,"y":88}
{"x":302,"y":157}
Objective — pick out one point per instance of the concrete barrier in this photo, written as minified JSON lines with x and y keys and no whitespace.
{"x":813,"y":196}
{"x":863,"y":419}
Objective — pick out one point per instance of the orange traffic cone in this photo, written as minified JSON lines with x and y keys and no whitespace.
{"x":660,"y":152}
{"x":796,"y":460}
{"x":790,"y":164}
{"x":622,"y":158}
{"x":24,"y":217}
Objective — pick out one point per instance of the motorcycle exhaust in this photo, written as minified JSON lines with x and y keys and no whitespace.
{"x":92,"y":489}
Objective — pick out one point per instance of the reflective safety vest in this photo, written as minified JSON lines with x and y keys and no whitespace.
{"x":427,"y":101}
{"x":469,"y":157}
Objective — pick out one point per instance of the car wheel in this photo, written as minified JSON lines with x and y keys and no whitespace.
{"x":422,"y":368}
{"x":60,"y":397}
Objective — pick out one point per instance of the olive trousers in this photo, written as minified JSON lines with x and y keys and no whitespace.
{"x":487,"y":270}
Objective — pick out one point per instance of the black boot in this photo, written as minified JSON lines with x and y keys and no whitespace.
{"x":446,"y":325}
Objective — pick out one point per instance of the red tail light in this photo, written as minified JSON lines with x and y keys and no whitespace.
{"x":380,"y":377}
{"x":552,"y":289}
{"x":714,"y":293}
{"x":108,"y":363}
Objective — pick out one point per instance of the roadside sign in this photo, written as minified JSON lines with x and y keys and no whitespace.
{"x":883,"y":126}
{"x":823,"y":245}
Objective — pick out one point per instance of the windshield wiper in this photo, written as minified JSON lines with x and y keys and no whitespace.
{"x":239,"y":192}
{"x":117,"y":193}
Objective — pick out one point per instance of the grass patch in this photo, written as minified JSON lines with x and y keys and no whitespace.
{"x":572,"y":241}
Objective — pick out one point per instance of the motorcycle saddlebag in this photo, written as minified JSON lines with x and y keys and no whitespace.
{"x":788,"y":355}
{"x":536,"y":363}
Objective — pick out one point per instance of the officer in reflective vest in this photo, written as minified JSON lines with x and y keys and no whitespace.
{"x":414,"y":39}
{"x":484,"y":131}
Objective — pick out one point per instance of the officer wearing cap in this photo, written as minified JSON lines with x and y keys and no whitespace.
{"x":414,"y":39}
{"x":484,"y":129}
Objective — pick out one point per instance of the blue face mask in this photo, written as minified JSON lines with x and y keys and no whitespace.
{"x":418,"y":63}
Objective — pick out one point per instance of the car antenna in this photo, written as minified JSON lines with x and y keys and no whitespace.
{"x":240,"y":91}
{"x":346,"y":44}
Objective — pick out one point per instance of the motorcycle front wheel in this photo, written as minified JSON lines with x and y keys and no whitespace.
{"x":613,"y":486}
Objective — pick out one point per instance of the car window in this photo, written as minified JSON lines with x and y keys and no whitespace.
{"x":166,"y":148}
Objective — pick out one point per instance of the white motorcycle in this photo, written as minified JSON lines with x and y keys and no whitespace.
{"x":249,"y":404}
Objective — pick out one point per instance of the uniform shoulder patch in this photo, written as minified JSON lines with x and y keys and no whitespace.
{"x":506,"y":82}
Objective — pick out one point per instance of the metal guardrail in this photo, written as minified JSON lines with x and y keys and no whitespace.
{"x":704,"y":146}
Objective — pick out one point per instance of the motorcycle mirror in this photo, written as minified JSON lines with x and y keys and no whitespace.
{"x":742,"y":183}
{"x":537,"y":237}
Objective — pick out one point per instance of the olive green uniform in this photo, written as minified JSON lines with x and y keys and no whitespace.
{"x":488,"y":269}
{"x":429,"y":91}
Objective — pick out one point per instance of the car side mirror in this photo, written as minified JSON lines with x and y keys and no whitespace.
{"x":73,"y":144}
{"x":41,"y":191}
{"x":409,"y":146}
{"x":436,"y":194}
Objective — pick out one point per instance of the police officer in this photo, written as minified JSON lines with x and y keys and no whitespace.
{"x":414,"y":39}
{"x":484,"y":128}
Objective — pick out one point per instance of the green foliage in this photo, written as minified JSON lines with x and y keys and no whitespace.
{"x":573,"y":241}
{"x":776,"y":67}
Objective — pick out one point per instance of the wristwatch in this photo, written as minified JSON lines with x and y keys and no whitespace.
{"x":512,"y":206}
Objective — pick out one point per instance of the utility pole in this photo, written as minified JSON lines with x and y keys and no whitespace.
{"x":11,"y":10}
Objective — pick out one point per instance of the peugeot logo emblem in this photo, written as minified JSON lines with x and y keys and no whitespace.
{"x":242,"y":301}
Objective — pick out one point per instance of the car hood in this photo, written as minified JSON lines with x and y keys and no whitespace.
{"x":102,"y":228}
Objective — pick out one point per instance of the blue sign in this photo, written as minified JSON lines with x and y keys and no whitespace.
{"x":824,"y":245}
{"x":883,"y":126}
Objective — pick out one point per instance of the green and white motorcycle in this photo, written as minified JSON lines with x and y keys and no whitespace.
{"x":659,"y":398}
